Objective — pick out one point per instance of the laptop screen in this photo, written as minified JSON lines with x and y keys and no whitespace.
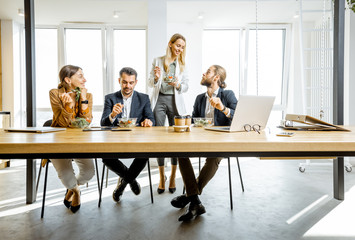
{"x":252,"y":110}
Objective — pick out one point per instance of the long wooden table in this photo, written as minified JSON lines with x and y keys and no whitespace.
{"x":164,"y":142}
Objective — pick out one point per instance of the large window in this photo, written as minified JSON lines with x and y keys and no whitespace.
{"x":270,"y":54}
{"x":221,"y":47}
{"x":83,"y":48}
{"x":90,"y":49}
{"x":130,"y":51}
{"x":237,"y":51}
{"x":46,"y":71}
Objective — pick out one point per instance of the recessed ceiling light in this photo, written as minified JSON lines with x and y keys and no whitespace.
{"x":20,"y":12}
{"x":116,"y":14}
{"x":200,"y":15}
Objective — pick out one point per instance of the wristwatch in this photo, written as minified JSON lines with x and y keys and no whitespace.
{"x":85,"y":102}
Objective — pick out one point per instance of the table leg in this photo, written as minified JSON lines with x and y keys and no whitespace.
{"x":31,"y":181}
{"x":338,"y":178}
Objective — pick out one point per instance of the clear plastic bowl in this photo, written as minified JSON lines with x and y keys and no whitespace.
{"x":127,"y":122}
{"x":202,"y":122}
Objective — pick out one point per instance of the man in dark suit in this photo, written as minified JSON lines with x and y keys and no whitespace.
{"x":122,"y":104}
{"x":218,"y":104}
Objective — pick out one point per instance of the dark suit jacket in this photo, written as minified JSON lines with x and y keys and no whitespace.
{"x":220,"y":119}
{"x":140,"y":108}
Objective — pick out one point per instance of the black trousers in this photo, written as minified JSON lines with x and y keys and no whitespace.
{"x":128,"y":174}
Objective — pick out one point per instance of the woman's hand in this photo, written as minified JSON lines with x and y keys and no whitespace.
{"x":175,"y":84}
{"x":157,"y":73}
{"x":83,"y":94}
{"x":68,"y":99}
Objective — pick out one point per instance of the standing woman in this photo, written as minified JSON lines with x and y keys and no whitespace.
{"x":169,"y":80}
{"x":71,"y":101}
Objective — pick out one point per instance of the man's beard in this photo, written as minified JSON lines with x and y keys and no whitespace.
{"x":207,"y":82}
{"x":125,"y":91}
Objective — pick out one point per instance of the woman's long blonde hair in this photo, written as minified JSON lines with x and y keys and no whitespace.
{"x":181,"y":57}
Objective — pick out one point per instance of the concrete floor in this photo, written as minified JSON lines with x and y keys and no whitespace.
{"x":279,"y":202}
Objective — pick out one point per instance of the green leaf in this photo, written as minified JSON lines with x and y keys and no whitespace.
{"x":77,"y":90}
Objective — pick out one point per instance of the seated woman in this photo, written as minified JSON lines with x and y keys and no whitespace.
{"x":71,"y":101}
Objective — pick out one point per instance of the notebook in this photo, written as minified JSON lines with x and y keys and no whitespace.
{"x":250,"y":110}
{"x":35,"y":129}
{"x":305,"y":122}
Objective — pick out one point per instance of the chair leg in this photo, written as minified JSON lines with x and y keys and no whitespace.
{"x":150,"y":183}
{"x":106,"y":177}
{"x":199,"y":165}
{"x":39,"y":176}
{"x":102,"y":182}
{"x":97,"y":176}
{"x":44,"y":190}
{"x":240,"y":175}
{"x":230,"y":184}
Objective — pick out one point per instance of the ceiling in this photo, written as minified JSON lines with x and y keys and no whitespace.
{"x":229,"y":13}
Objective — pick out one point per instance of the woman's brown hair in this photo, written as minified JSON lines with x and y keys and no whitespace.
{"x":66,"y":71}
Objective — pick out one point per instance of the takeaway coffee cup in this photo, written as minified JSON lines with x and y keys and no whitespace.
{"x":179,"y":120}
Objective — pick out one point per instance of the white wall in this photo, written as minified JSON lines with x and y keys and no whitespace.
{"x":349,"y":68}
{"x":10,"y":42}
{"x":349,"y":72}
{"x":156,"y":34}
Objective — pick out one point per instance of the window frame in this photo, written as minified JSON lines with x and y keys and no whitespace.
{"x":286,"y":61}
{"x":107,"y":56}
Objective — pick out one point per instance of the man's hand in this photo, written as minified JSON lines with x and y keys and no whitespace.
{"x":216,"y":103}
{"x":147,"y":123}
{"x":117,"y":109}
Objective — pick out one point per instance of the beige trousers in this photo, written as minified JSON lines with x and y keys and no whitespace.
{"x":66,"y":172}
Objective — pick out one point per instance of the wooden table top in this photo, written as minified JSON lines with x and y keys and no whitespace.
{"x":164,"y":139}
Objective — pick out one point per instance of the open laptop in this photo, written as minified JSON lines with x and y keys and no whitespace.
{"x":35,"y":129}
{"x":250,"y":110}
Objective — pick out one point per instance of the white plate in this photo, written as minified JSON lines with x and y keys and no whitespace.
{"x":184,"y":126}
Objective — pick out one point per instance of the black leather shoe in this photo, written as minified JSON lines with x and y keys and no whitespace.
{"x":117,"y":193}
{"x":135,"y":187}
{"x":66,"y":202}
{"x":180,"y":201}
{"x":74,"y":209}
{"x":193,"y":211}
{"x":172,"y":190}
{"x":160,"y":191}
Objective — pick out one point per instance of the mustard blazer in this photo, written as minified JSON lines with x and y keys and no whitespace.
{"x":61,"y":117}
